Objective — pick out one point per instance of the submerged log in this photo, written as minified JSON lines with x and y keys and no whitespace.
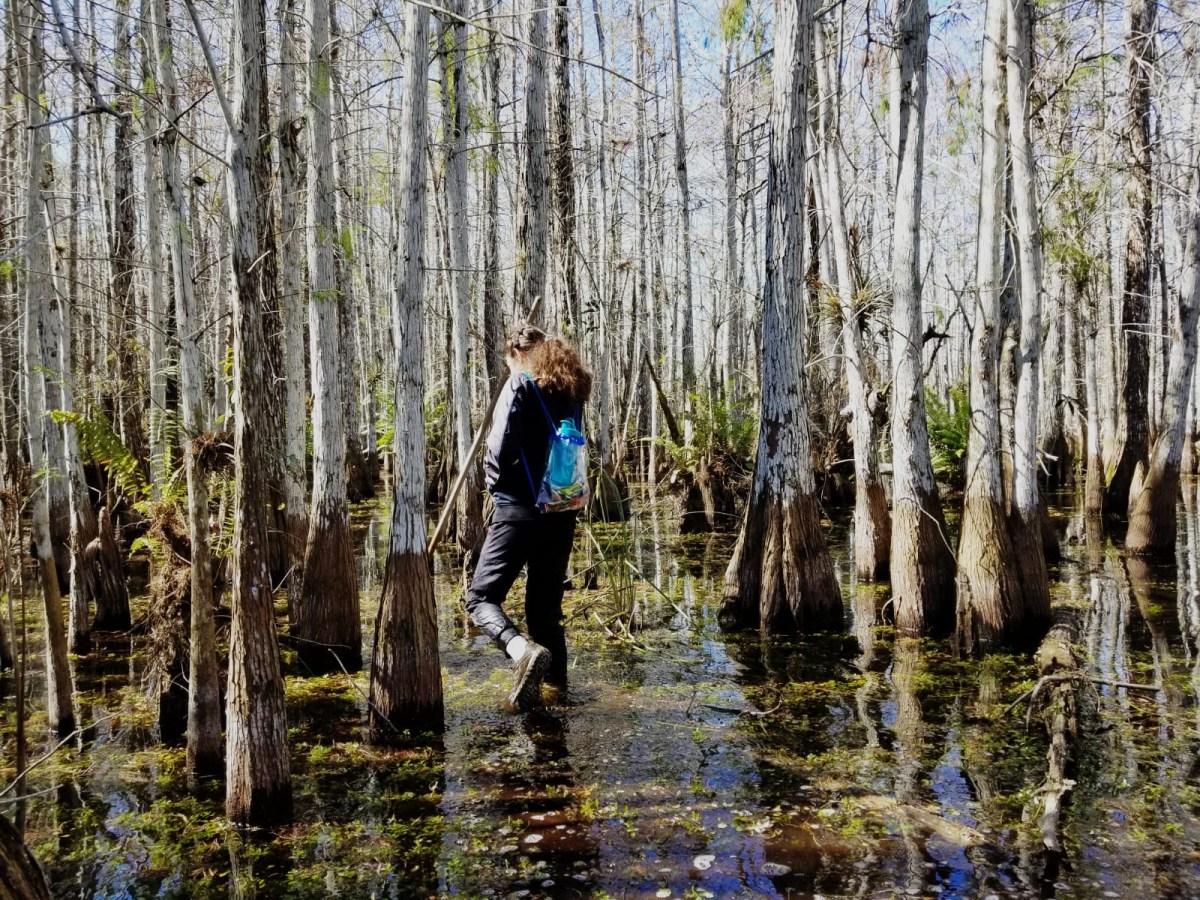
{"x":955,"y":833}
{"x":1055,"y":702}
{"x":20,"y":876}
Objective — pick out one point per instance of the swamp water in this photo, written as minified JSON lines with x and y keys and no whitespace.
{"x":684,"y":763}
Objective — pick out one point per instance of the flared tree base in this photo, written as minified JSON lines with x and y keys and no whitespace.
{"x":327,"y":625}
{"x":781,"y":577}
{"x":992,"y":604}
{"x":406,"y":675}
{"x":923,"y":568}
{"x":1152,"y":517}
{"x":872,"y":532}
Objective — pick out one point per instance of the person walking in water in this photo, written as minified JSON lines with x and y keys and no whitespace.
{"x":548,"y":383}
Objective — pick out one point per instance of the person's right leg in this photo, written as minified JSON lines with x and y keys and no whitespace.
{"x":500,"y":562}
{"x":504,"y":553}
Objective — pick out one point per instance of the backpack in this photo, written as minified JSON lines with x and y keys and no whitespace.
{"x":564,"y":480}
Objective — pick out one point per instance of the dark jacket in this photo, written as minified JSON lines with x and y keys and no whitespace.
{"x":518,"y":442}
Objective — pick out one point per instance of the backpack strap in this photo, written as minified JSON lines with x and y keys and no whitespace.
{"x":545,"y":409}
{"x":528,"y":474}
{"x":524,"y":462}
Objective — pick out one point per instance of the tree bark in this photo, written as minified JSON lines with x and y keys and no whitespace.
{"x":990,"y":600}
{"x":258,"y":781}
{"x":1027,"y":505}
{"x":60,"y":706}
{"x":204,"y":750}
{"x":639,"y":301}
{"x":1134,"y":424}
{"x":922,"y":564}
{"x":455,"y":94}
{"x":130,"y":389}
{"x":1152,"y":510}
{"x":327,"y":610}
{"x":360,"y":461}
{"x":1052,"y":439}
{"x":687,"y":331}
{"x":608,"y":230}
{"x":872,"y":523}
{"x":160,"y":450}
{"x":780,"y":577}
{"x":1093,"y":484}
{"x":563,"y":176}
{"x":20,"y":876}
{"x":86,"y":580}
{"x":734,"y":380}
{"x":406,"y":683}
{"x":534,"y":202}
{"x":1056,"y":701}
{"x":493,"y":313}
{"x":294,"y":299}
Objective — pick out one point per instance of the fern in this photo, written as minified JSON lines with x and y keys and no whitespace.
{"x":720,"y":427}
{"x":102,"y":445}
{"x":949,"y":429}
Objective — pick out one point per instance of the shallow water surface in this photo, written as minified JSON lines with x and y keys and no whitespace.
{"x":683,"y":762}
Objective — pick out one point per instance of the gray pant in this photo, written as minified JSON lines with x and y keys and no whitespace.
{"x":542,"y":545}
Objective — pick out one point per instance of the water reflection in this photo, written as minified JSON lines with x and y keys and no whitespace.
{"x":683,"y":759}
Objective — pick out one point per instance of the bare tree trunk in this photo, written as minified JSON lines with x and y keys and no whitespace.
{"x":39,"y":185}
{"x":86,"y":580}
{"x":327,"y":610}
{"x":605,"y":496}
{"x":130,"y":387}
{"x":1134,"y":425}
{"x":781,"y":577}
{"x":872,"y":523}
{"x":360,"y":464}
{"x":160,"y":461}
{"x":204,"y":750}
{"x":1027,"y":505}
{"x":640,"y":299}
{"x":990,"y":600}
{"x":1152,"y":513}
{"x":292,"y":250}
{"x":534,"y":202}
{"x":687,"y":331}
{"x":10,"y":192}
{"x":1055,"y":361}
{"x":258,"y":780}
{"x":732,"y":326}
{"x":493,"y":314}
{"x":922,"y":564}
{"x":455,"y":96}
{"x":406,"y":678}
{"x":563,"y":175}
{"x":1093,"y":485}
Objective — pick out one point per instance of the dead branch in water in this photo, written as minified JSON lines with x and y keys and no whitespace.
{"x":1058,"y":692}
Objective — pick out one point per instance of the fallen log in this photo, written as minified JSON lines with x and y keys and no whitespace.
{"x":1055,"y":701}
{"x":955,"y":833}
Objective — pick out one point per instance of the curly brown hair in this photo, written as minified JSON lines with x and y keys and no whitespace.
{"x":557,"y":367}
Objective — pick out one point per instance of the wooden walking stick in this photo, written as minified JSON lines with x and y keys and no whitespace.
{"x":444,"y":519}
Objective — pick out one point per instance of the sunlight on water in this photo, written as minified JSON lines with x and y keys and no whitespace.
{"x":684,"y":762}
